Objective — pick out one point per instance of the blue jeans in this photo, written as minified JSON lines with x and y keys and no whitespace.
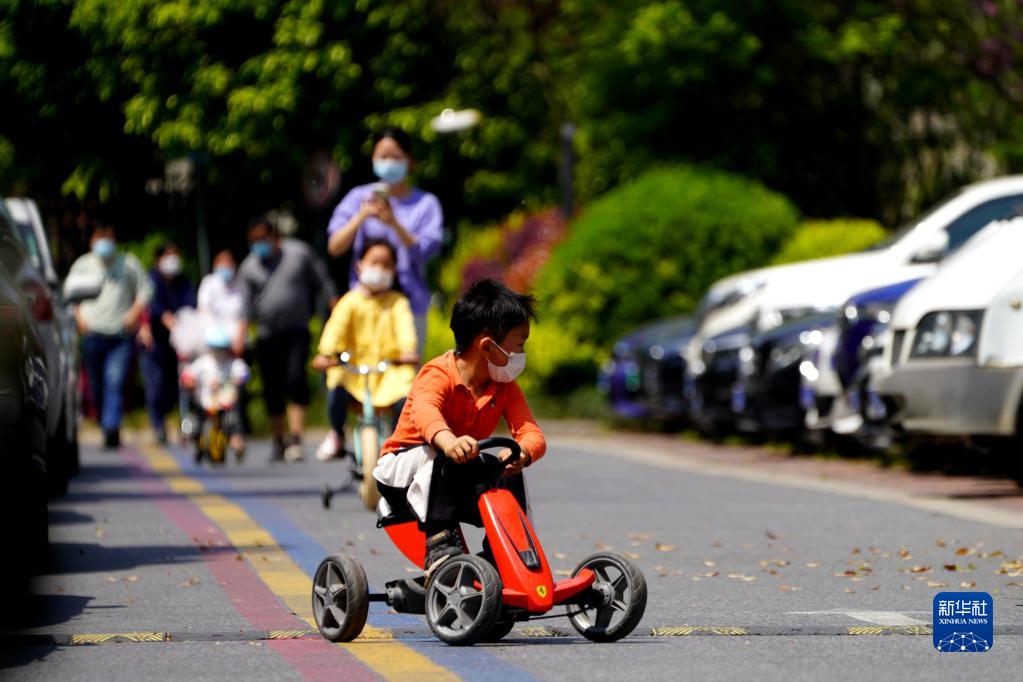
{"x":107,"y":360}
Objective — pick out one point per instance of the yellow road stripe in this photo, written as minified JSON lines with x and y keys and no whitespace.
{"x":391,"y":660}
{"x":890,"y":630}
{"x":100,"y":638}
{"x":686,"y":630}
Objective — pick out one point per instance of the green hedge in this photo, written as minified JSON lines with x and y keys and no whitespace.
{"x":647,"y":250}
{"x":822,"y":238}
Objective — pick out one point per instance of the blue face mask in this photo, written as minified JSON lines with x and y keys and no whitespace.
{"x":391,"y":171}
{"x":224,"y":272}
{"x":263,"y":249}
{"x":104,"y":248}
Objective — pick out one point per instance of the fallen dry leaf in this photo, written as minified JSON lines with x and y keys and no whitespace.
{"x":773,"y":536}
{"x":560,"y":555}
{"x":812,"y":564}
{"x":663,"y":547}
{"x":639,"y":537}
{"x":100,"y":533}
{"x":602,"y":545}
{"x":789,"y":588}
{"x":709,"y":563}
{"x":940,"y":542}
{"x":850,"y":591}
{"x":965,"y":551}
{"x":711,"y":575}
{"x":951,"y":567}
{"x":563,"y":571}
{"x":192,"y":580}
{"x":968,"y":583}
{"x":855,"y":550}
{"x":920,"y":569}
{"x":904,"y":553}
{"x":633,"y":555}
{"x":239,"y":557}
{"x":1014,"y":584}
{"x":936,"y":583}
{"x":132,"y":578}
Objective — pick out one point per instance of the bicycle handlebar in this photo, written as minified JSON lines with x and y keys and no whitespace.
{"x":344,"y":361}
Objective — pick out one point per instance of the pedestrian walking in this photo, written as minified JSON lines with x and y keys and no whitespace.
{"x":393,"y":209}
{"x":281,"y":282}
{"x":172,"y":291}
{"x":220,"y":294}
{"x":108,"y":323}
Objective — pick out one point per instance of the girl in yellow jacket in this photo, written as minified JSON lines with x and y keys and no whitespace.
{"x":372,"y":323}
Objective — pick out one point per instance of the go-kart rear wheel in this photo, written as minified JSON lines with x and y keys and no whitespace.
{"x":463,"y":600}
{"x":501,"y":629}
{"x":620,"y":598}
{"x":340,"y":598}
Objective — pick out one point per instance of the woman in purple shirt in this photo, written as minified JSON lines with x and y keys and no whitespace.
{"x":392,"y":209}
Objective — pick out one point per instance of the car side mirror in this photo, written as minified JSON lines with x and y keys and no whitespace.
{"x":931,"y":249}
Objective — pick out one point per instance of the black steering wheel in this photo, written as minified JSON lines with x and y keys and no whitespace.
{"x":493,"y":461}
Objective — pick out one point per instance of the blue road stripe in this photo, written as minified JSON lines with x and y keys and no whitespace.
{"x":467,"y":662}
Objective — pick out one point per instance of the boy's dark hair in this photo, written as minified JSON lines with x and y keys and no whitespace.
{"x":489,"y":308}
{"x":370,"y":243}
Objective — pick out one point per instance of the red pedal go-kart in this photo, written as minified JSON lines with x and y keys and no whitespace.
{"x":469,"y":599}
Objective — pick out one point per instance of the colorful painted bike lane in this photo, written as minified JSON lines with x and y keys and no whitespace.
{"x":270,"y":578}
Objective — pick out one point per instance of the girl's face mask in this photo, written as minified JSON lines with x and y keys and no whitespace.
{"x":376,"y":279}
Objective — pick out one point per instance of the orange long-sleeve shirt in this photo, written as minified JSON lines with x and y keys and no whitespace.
{"x":440,"y":400}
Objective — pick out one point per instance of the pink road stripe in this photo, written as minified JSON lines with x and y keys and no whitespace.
{"x":313,"y":659}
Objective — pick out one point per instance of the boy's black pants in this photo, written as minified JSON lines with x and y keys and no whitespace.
{"x":454,"y":491}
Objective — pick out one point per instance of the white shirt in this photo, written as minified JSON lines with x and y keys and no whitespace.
{"x":221,"y":301}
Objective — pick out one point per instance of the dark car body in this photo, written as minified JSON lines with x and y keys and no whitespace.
{"x":865,"y":317}
{"x":770,"y":394}
{"x":644,"y":377}
{"x":23,"y":409}
{"x":56,"y":328}
{"x":711,"y":382}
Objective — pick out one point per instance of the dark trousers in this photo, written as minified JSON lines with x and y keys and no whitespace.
{"x":107,"y":360}
{"x":160,"y":379}
{"x":455,"y":490}
{"x":338,"y":400}
{"x":283,"y":357}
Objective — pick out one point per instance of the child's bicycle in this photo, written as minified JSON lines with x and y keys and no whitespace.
{"x":220,"y":423}
{"x":469,"y":599}
{"x":370,"y":432}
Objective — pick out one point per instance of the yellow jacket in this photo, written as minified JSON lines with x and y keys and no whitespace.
{"x":371,"y":329}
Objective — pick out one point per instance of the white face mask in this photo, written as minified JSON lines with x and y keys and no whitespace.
{"x":376,"y":279}
{"x":170,"y":265}
{"x":509,"y":372}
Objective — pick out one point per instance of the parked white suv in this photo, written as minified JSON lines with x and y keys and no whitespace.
{"x":954,"y":365}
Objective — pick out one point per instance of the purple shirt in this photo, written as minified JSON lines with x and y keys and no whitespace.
{"x":420,"y":214}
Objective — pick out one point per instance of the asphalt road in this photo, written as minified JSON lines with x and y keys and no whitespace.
{"x":746,"y":576}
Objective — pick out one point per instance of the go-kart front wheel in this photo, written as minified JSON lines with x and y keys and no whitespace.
{"x":340,"y":598}
{"x":463,"y":600}
{"x":619,"y":598}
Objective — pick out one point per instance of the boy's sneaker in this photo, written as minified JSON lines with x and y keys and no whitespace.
{"x":294,"y":452}
{"x":440,"y":547}
{"x":111,"y":439}
{"x":330,"y":447}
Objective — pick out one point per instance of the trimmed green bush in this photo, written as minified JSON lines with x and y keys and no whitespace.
{"x":822,"y":238}
{"x":651,"y":248}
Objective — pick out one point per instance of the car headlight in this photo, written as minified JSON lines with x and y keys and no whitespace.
{"x":947,"y":333}
{"x":882,"y":312}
